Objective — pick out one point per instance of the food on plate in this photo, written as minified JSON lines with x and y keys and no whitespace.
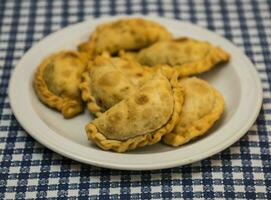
{"x":188,"y":56}
{"x":57,"y":82}
{"x":134,"y":77}
{"x":142,"y":118}
{"x":203,"y":106}
{"x":124,"y":34}
{"x":108,"y":80}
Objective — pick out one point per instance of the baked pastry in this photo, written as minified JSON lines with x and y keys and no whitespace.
{"x":203,"y":105}
{"x":57,"y":82}
{"x":188,"y":56}
{"x":108,"y":80}
{"x":127,"y":34}
{"x":142,"y":118}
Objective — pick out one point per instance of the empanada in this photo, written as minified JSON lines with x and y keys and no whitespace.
{"x":57,"y":82}
{"x":126,"y":34}
{"x":187,"y":56}
{"x":108,"y":80}
{"x":203,"y":105}
{"x":142,"y":118}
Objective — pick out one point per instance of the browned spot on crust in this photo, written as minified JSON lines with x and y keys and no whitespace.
{"x":115,"y":117}
{"x":125,"y":88}
{"x":99,"y":101}
{"x":139,"y":74}
{"x":116,"y":97}
{"x":132,"y":32}
{"x":142,"y":99}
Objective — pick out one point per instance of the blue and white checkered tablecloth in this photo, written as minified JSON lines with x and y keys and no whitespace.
{"x":28,"y":170}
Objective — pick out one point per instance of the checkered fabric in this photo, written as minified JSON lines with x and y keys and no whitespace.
{"x":28,"y":170}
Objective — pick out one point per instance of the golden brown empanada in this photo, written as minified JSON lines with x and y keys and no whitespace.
{"x":57,"y":82}
{"x":127,"y":34}
{"x":142,"y":118}
{"x":187,"y":56}
{"x":108,"y":80}
{"x":203,"y":105}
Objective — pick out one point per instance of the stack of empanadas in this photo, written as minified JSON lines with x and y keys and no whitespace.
{"x":134,"y":77}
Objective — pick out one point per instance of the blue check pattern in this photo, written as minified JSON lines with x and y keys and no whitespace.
{"x":28,"y":170}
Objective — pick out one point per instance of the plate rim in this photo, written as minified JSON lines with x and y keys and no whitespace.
{"x":198,"y":157}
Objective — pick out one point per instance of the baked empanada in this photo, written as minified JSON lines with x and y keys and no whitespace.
{"x":142,"y":118}
{"x":187,"y":56}
{"x":203,"y":105}
{"x":108,"y":80}
{"x":57,"y":82}
{"x":127,"y":34}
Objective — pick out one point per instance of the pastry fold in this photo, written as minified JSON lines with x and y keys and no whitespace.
{"x":108,"y":80}
{"x":142,"y":118}
{"x":57,"y":80}
{"x":126,"y":34}
{"x":203,"y":106}
{"x":188,"y":56}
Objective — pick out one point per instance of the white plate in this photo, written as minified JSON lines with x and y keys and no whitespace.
{"x":237,"y":81}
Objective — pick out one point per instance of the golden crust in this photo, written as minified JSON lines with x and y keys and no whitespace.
{"x":68,"y":104}
{"x":187,"y":56}
{"x":87,"y":96}
{"x":125,"y":34}
{"x":109,"y":80}
{"x":148,"y":138}
{"x":198,"y":115}
{"x":215,"y":56}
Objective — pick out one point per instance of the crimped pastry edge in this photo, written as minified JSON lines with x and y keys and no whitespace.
{"x":215,"y":56}
{"x":147,"y":139}
{"x":89,"y":45}
{"x":86,"y":94}
{"x":67,"y":106}
{"x":200,"y":127}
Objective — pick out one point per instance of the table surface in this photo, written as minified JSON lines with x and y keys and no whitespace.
{"x":29,"y":170}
